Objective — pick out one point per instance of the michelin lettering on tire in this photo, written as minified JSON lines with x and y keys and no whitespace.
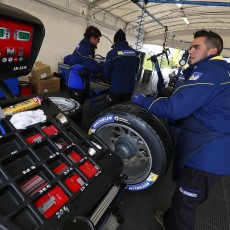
{"x":139,"y":138}
{"x":145,"y":184}
{"x":101,"y":121}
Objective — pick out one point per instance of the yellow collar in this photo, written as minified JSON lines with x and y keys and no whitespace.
{"x":217,"y":58}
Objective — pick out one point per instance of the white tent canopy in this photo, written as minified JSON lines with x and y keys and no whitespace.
{"x":162,"y":15}
{"x":66,"y":20}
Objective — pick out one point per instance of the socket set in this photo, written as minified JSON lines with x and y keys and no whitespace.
{"x":54,"y":176}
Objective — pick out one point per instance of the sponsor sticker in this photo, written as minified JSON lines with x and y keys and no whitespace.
{"x":187,"y":193}
{"x":101,"y":121}
{"x":143,"y":185}
{"x":195,"y":76}
{"x":126,"y":52}
{"x":116,"y":118}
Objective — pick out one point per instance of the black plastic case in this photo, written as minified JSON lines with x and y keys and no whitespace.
{"x":48,"y":179}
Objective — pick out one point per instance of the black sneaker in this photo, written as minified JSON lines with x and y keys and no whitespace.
{"x":159,"y":216}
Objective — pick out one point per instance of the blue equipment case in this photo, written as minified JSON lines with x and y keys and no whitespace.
{"x":63,"y":70}
{"x":12,"y":83}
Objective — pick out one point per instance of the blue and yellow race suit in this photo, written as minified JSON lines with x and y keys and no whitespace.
{"x":203,"y":104}
{"x":120,"y":68}
{"x":82,"y":59}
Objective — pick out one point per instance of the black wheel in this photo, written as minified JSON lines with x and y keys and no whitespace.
{"x":70,"y":107}
{"x":141,"y":139}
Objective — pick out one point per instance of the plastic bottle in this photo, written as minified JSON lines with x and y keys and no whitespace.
{"x":23,"y":106}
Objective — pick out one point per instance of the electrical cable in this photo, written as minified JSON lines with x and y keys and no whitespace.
{"x":107,"y":38}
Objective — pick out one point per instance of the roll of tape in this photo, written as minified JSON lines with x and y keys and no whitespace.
{"x":62,"y":119}
{"x":92,"y":151}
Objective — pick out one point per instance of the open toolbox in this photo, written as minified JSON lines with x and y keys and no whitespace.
{"x":54,"y":176}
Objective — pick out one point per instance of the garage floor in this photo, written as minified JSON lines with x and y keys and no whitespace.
{"x":138,"y":207}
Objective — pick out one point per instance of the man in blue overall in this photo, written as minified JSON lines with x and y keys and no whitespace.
{"x":120,"y":69}
{"x":83,"y":64}
{"x":202,"y":104}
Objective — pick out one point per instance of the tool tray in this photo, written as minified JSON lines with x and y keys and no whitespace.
{"x":47,"y":175}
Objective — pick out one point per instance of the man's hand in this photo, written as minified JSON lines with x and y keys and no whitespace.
{"x":142,"y":100}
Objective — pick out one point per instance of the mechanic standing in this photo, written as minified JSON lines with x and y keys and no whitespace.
{"x":120,"y":69}
{"x":202,"y":149}
{"x":83,"y":64}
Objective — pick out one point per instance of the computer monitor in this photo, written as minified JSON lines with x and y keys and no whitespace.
{"x":21,"y":36}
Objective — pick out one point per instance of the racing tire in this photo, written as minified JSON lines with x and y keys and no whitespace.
{"x":69,"y":107}
{"x":142,"y":140}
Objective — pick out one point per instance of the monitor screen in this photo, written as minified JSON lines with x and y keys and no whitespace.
{"x":16,"y":43}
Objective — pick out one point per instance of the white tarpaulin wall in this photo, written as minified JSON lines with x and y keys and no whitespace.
{"x":66,"y":20}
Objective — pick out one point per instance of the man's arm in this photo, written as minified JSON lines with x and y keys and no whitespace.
{"x":183,"y":102}
{"x":90,"y":64}
{"x":193,"y":95}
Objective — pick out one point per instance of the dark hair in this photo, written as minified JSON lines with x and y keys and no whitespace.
{"x":213,"y":40}
{"x":92,"y":31}
{"x":119,"y":36}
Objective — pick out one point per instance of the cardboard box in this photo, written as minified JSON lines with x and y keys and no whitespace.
{"x":46,"y":85}
{"x":24,"y":78}
{"x":40,"y":71}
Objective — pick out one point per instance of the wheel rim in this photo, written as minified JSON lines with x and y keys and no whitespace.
{"x":65,"y":104}
{"x":131,"y":148}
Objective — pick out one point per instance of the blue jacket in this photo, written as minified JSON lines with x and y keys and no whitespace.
{"x":203,"y":104}
{"x":120,"y":68}
{"x":83,"y":56}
